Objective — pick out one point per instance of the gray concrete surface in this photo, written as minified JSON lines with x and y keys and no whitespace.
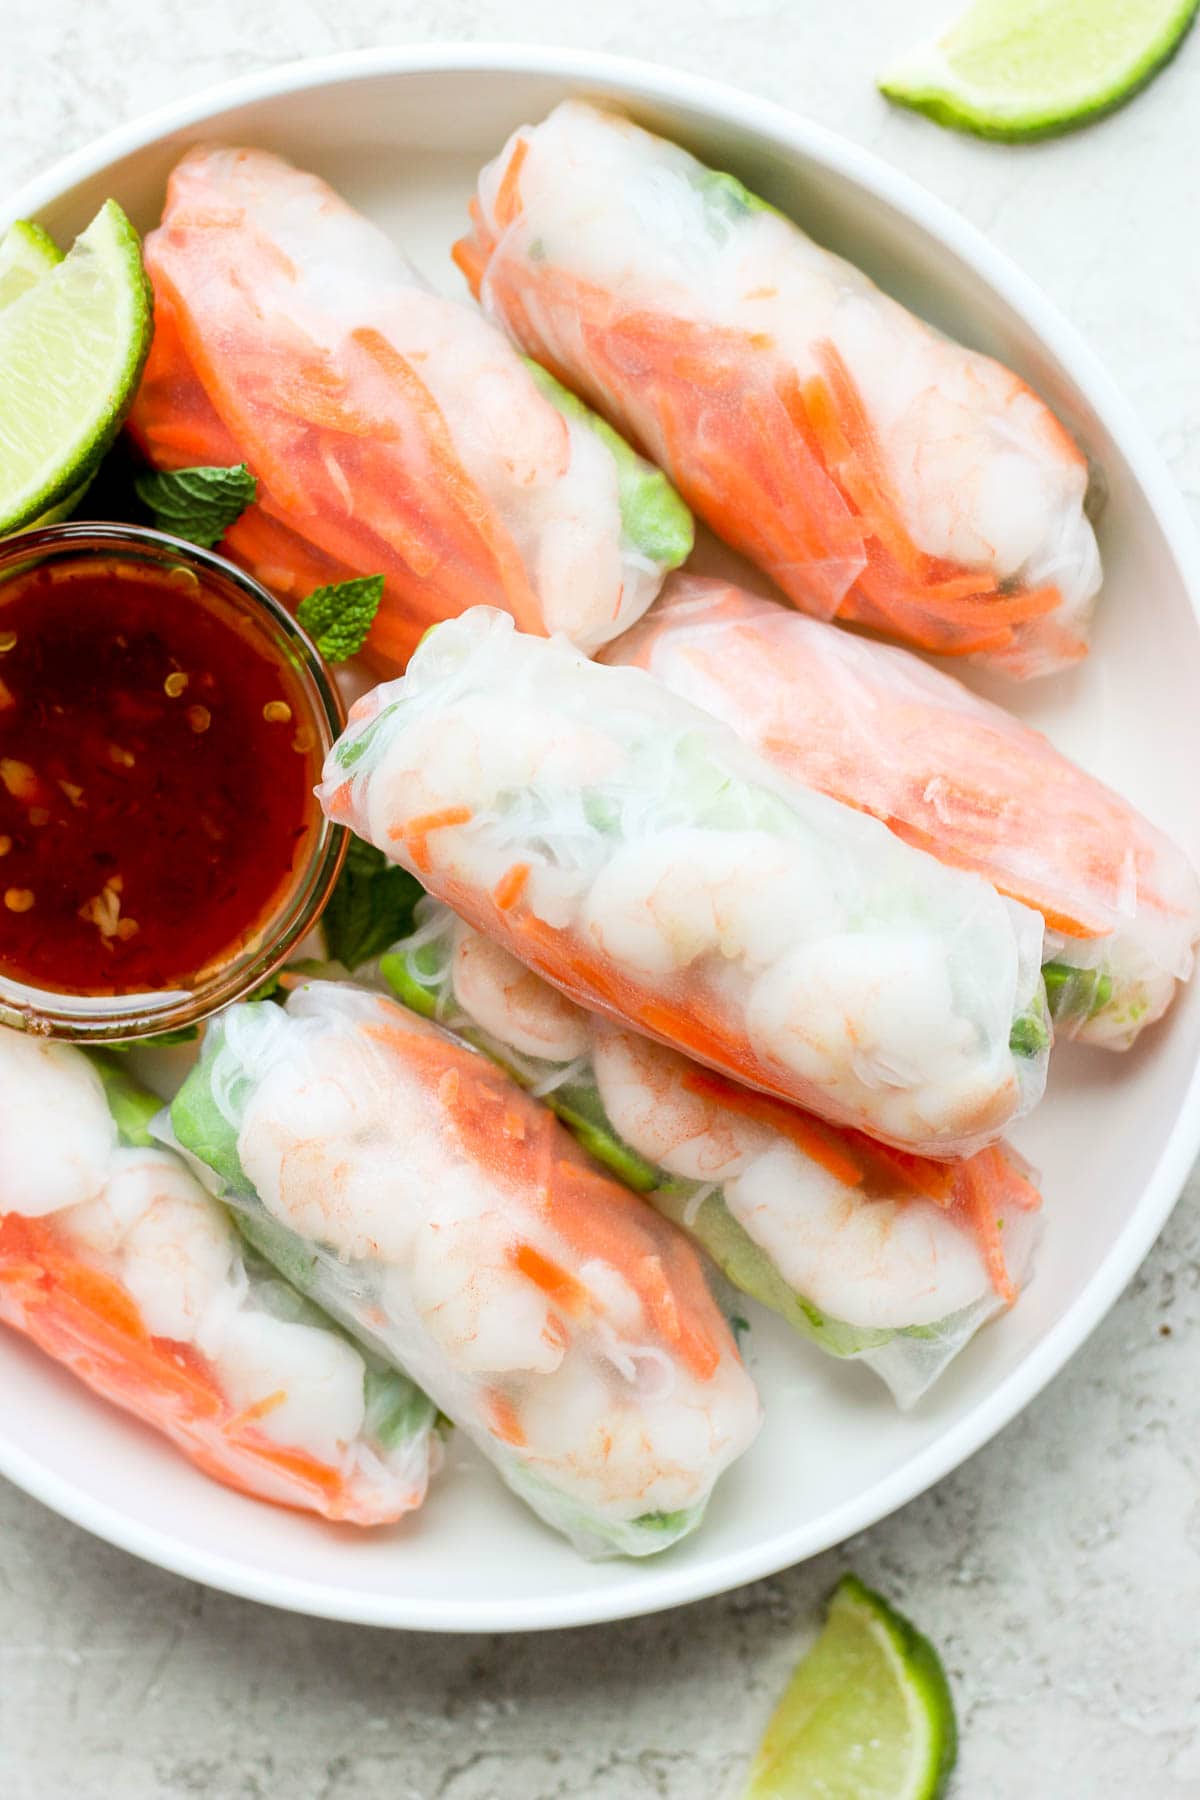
{"x":1060,"y":1570}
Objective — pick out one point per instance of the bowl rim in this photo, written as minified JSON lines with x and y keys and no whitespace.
{"x":674,"y":1585}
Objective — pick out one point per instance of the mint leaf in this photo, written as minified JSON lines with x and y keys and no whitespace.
{"x":338,"y":618}
{"x":371,"y":906}
{"x":197,"y":504}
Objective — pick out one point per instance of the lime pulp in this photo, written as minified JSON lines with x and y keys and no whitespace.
{"x":72,"y":346}
{"x":26,"y":254}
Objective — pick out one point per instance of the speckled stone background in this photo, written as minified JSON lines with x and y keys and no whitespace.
{"x":1059,"y":1571}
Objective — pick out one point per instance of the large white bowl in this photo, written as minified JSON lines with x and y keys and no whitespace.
{"x":403,"y":132}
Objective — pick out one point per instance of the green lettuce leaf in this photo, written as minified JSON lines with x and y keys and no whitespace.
{"x":131,"y":1105}
{"x":653,"y":517}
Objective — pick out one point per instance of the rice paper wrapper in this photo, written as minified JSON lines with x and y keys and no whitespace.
{"x":628,"y":847}
{"x":458,"y":1232}
{"x":878,"y":728}
{"x":877,"y":471}
{"x":867,"y":1254}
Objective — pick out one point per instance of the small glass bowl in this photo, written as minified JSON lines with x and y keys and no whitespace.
{"x":112,"y":1018}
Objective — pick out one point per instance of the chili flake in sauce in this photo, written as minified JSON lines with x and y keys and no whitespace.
{"x":155,"y":779}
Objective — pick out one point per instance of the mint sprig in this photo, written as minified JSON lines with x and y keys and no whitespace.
{"x":197,"y":504}
{"x":338,"y":617}
{"x":370,"y":908}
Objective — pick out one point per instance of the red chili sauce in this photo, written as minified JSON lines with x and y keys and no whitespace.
{"x":157,"y":762}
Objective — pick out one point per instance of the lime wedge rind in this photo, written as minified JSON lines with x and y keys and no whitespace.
{"x":62,"y":509}
{"x":1087,"y":58}
{"x":867,"y":1715}
{"x":71,"y":350}
{"x":919,"y":1668}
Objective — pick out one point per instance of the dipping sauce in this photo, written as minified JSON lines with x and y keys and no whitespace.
{"x":157,"y":760}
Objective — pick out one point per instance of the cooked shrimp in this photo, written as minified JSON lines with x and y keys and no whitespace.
{"x":647,"y":1100}
{"x":660,"y":905}
{"x":142,"y":1289}
{"x":322,"y":1157}
{"x":42,"y":1170}
{"x":454,"y":766}
{"x":513,"y":1004}
{"x":830,"y":1228}
{"x":554,"y":1316}
{"x":873,"y":1007}
{"x":175,"y":1248}
{"x":314,"y":1379}
{"x":626,"y":846}
{"x":875,"y":1263}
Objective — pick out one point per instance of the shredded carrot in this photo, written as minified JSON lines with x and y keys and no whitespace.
{"x":981,"y":1202}
{"x":335,"y":496}
{"x":793,"y":474}
{"x":250,"y":1415}
{"x":604,"y":985}
{"x":508,"y":196}
{"x":932,"y":1180}
{"x":602,"y":1219}
{"x":1055,"y":921}
{"x":337,"y":804}
{"x":555,"y":1333}
{"x":104,"y":1297}
{"x":453,"y":482}
{"x":999,"y":1165}
{"x":85,"y":1320}
{"x":511,"y":885}
{"x":472,"y":261}
{"x":415,"y":832}
{"x":683,"y":1028}
{"x":662,"y":1289}
{"x":551,"y":1277}
{"x":502,"y":1418}
{"x":819,"y":1142}
{"x":595,"y":1215}
{"x":982,"y":864}
{"x":301,"y":1466}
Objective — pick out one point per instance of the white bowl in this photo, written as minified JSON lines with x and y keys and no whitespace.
{"x":402,"y":133}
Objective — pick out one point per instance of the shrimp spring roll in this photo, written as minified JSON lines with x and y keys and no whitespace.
{"x":630,"y":848}
{"x":953,"y":774}
{"x":877,"y":471}
{"x":448,"y":1220}
{"x":391,"y":431}
{"x":866,"y":1251}
{"x":117,"y":1263}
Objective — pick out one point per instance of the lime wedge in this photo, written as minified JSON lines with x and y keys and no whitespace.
{"x":1024,"y":68}
{"x":26,"y":253}
{"x":866,"y":1716}
{"x":71,"y":350}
